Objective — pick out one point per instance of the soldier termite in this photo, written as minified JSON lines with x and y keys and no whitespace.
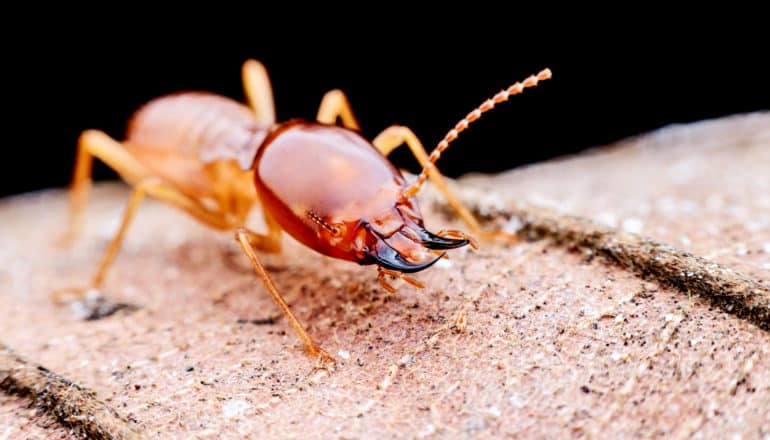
{"x":324,"y":184}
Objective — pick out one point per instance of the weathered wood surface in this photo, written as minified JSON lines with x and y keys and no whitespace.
{"x":530,"y":340}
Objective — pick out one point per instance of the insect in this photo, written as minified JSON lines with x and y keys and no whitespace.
{"x":322,"y":183}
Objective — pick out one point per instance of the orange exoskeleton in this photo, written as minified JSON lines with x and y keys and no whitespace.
{"x":322,"y":183}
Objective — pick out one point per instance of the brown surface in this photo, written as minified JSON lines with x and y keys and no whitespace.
{"x":552,"y":344}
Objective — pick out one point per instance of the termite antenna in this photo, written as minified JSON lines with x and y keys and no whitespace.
{"x":486,"y":106}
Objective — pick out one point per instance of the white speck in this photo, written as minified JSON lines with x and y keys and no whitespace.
{"x":516,"y":401}
{"x":685,"y":240}
{"x":741,"y":250}
{"x":615,"y":356}
{"x":669,"y":317}
{"x":628,"y":386}
{"x":494,"y":411}
{"x":632,"y":225}
{"x":92,"y":295}
{"x":366,"y":406}
{"x":443,"y":263}
{"x":766,"y":248}
{"x":316,"y":379}
{"x":619,"y":318}
{"x":607,"y":219}
{"x":343,"y":354}
{"x":766,"y":265}
{"x":85,"y":306}
{"x":406,"y":360}
{"x":513,"y":225}
{"x":590,"y":311}
{"x":234,"y":408}
{"x":429,"y":430}
{"x":168,"y":353}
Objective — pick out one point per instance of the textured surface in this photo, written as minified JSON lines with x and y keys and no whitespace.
{"x":19,"y":420}
{"x":528,"y":340}
{"x":73,"y":405}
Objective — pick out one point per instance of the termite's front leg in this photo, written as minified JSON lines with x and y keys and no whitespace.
{"x":395,"y":136}
{"x":248,"y":241}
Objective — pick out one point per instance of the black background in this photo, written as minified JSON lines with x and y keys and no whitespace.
{"x":605,"y":87}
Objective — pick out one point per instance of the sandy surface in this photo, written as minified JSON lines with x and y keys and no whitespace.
{"x":551,"y":344}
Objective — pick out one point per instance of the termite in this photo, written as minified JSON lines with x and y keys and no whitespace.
{"x":324,"y":184}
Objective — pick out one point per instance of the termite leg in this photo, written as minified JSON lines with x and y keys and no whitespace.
{"x":395,"y":136}
{"x":383,"y":282}
{"x":163,"y":192}
{"x":336,"y":105}
{"x":269,"y":243}
{"x":381,"y":272}
{"x":249,"y":241}
{"x":93,"y":143}
{"x":259,"y":92}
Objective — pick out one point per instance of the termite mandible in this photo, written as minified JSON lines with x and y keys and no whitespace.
{"x":324,"y":184}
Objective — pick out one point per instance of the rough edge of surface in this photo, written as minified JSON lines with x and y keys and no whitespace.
{"x":73,"y":405}
{"x":726,"y":288}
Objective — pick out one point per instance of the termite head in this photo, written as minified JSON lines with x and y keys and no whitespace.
{"x":398,"y":240}
{"x":335,"y":192}
{"x":345,"y":200}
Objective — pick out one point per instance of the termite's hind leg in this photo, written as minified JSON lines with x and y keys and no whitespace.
{"x":161,"y":191}
{"x":93,"y":143}
{"x":336,"y":105}
{"x":248,"y":241}
{"x":395,"y":136}
{"x":259,"y":92}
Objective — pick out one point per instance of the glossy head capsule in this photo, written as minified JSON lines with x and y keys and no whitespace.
{"x":329,"y":188}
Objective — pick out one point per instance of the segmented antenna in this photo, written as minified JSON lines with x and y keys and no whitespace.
{"x":486,"y":106}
